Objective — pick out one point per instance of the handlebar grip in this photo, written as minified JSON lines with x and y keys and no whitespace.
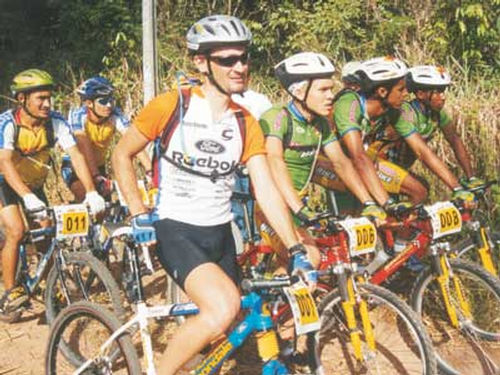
{"x":248,"y":285}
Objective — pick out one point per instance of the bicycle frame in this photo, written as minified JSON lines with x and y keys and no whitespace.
{"x":336,"y":260}
{"x":256,"y":320}
{"x":31,"y":282}
{"x":34,"y":235}
{"x":438,"y":252}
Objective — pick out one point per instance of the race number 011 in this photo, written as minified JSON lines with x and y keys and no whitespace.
{"x":74,"y":223}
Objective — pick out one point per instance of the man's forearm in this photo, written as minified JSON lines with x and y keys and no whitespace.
{"x":347,"y":173}
{"x":145,"y":160}
{"x":82,"y":170}
{"x":284,"y":183}
{"x":368,"y":174}
{"x":462,"y":157}
{"x":85,"y":147}
{"x":125,"y":174}
{"x":437,"y":166}
{"x":277,"y":214}
{"x":271,"y":201}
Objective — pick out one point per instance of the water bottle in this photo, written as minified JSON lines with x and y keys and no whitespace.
{"x":66,"y":169}
{"x":399,"y":245}
{"x":377,"y":262}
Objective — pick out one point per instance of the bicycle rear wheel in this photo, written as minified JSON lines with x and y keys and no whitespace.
{"x":84,"y":278}
{"x":85,"y":326}
{"x":402,"y":346}
{"x":474,"y":346}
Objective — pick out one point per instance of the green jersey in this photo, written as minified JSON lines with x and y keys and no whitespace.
{"x":300,"y":139}
{"x":390,"y":143}
{"x":350,"y":114}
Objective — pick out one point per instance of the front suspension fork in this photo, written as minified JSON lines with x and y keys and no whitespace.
{"x":350,"y":299}
{"x":484,"y":250}
{"x":444,"y":274}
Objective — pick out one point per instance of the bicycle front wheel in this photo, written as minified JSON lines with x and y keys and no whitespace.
{"x":85,"y":327}
{"x":401,"y":344}
{"x":467,"y":249}
{"x":472,"y":346}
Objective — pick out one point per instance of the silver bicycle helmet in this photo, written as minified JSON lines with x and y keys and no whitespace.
{"x":349,"y":70}
{"x":427,"y":77}
{"x":303,"y":66}
{"x":379,"y":71}
{"x":217,"y":31}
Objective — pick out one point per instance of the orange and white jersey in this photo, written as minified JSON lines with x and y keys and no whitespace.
{"x":204,"y":145}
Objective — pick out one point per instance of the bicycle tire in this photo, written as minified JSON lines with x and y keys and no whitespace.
{"x":479,"y":335}
{"x":124,"y":353}
{"x":98,"y":272}
{"x":466,"y":246}
{"x":394,"y":323}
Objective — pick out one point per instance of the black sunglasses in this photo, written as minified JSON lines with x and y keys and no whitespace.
{"x":230,"y":61}
{"x":105,"y":100}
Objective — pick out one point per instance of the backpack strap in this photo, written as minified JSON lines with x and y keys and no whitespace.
{"x":287,"y":139}
{"x":240,"y":119}
{"x":172,"y":123}
{"x":49,"y":133}
{"x":175,"y":119}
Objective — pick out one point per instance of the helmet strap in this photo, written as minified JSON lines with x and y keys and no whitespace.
{"x":383,"y":100}
{"x":25,"y":108}
{"x":211,"y":78}
{"x":303,"y":102}
{"x":100,"y":119}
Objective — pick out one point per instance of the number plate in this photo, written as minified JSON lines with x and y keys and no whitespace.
{"x":362,"y":235}
{"x":445,"y":219}
{"x":72,"y":220}
{"x":305,"y":314}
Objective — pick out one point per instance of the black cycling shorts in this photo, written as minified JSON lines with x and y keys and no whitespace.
{"x":183,"y":247}
{"x":9,"y":197}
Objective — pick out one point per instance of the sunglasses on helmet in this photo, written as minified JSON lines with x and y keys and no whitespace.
{"x":230,"y":61}
{"x":105,"y":100}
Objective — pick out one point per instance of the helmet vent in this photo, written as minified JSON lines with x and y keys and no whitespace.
{"x":224,"y":27}
{"x":209,"y":29}
{"x":235,"y":28}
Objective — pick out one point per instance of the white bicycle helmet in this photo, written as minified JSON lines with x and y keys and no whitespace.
{"x":217,"y":31}
{"x":377,"y":71}
{"x":427,"y":77}
{"x":349,"y":71}
{"x":303,"y":66}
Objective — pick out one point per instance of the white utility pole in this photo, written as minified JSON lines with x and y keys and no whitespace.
{"x":149,"y":55}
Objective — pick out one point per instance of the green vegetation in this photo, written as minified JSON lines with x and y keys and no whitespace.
{"x":74,"y":39}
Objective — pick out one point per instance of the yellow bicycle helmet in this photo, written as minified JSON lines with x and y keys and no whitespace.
{"x":30,"y":80}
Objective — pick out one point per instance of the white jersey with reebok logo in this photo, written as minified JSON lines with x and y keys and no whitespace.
{"x":203,"y":145}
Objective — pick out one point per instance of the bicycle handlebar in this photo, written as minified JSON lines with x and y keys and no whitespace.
{"x":482,"y":188}
{"x":249,"y":285}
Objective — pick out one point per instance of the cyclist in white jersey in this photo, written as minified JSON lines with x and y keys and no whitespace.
{"x":196,"y":175}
